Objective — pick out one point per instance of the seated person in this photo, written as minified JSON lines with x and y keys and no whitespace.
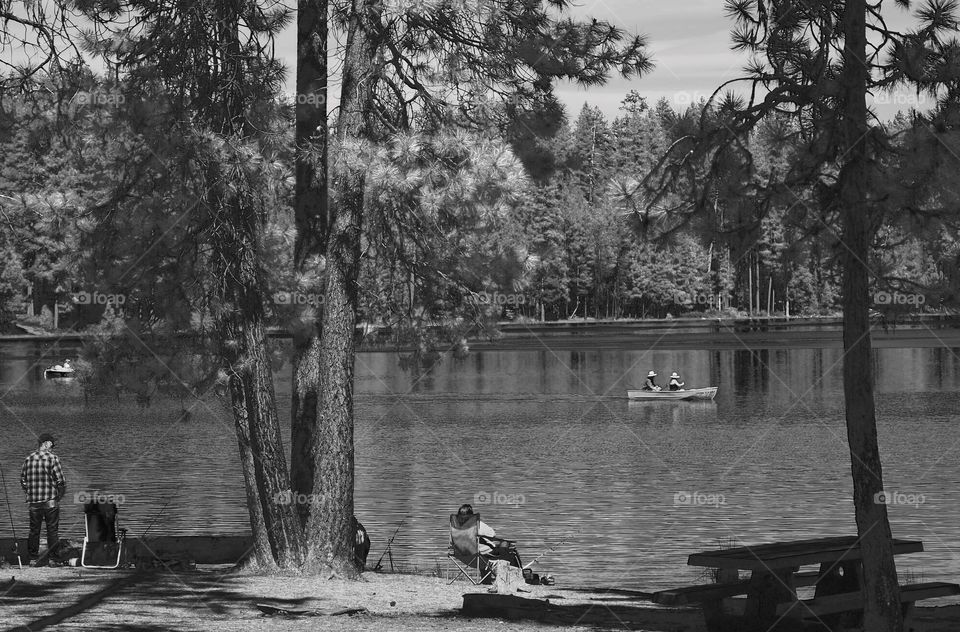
{"x":361,"y":544}
{"x":650,"y":384}
{"x":490,"y":547}
{"x":675,"y":383}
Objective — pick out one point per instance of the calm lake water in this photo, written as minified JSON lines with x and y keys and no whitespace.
{"x":549,"y":451}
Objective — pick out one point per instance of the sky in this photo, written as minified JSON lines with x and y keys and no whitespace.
{"x":689,"y":41}
{"x":691,"y":47}
{"x":690,"y":44}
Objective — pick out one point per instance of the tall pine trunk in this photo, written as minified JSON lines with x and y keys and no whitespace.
{"x":273,"y":520}
{"x":277,"y":534}
{"x":882,"y":611}
{"x":311,"y":223}
{"x":329,"y":527}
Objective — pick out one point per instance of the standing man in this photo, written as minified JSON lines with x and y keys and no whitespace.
{"x":41,"y":478}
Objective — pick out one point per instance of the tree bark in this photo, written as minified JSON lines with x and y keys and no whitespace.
{"x":273,"y":519}
{"x":329,"y":528}
{"x":277,"y":534}
{"x":310,"y":214}
{"x":311,"y":205}
{"x":881,"y":591}
{"x":243,"y":349}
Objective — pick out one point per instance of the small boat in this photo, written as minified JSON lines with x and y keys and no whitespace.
{"x":690,"y":393}
{"x":59,"y":371}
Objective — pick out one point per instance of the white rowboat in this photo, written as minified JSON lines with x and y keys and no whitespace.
{"x":61,"y":371}
{"x":690,"y":393}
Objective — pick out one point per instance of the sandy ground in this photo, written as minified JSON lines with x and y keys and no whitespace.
{"x":212,"y":599}
{"x":81,"y":599}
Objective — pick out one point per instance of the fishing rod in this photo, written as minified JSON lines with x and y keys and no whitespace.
{"x":162,"y":509}
{"x":16,"y":542}
{"x":551,"y":549}
{"x":387,"y":550}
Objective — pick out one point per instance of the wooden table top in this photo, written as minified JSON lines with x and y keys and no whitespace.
{"x":782,"y":555}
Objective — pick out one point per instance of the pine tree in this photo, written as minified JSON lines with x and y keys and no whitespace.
{"x":814,"y":63}
{"x":517,"y":39}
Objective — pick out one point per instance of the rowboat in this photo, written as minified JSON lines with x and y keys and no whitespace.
{"x":59,"y":371}
{"x":690,"y":393}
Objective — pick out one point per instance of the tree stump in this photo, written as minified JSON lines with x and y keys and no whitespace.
{"x":507,"y":579}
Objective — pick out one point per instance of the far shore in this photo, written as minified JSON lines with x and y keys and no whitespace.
{"x":712,"y":333}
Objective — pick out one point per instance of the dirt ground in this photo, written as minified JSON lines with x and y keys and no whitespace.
{"x":214,"y":599}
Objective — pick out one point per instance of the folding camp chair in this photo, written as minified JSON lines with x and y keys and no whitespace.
{"x":103,"y":542}
{"x":465,"y":548}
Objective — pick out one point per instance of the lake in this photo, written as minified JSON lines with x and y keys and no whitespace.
{"x":548,"y":450}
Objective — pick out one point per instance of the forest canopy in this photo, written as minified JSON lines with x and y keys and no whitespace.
{"x":572,"y":240}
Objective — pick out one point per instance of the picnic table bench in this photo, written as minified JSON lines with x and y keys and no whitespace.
{"x":771,"y":601}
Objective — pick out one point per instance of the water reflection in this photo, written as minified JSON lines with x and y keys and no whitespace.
{"x":551,"y":429}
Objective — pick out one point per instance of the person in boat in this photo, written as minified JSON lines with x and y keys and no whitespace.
{"x":651,"y":384}
{"x":43,"y":484}
{"x":490,"y":547}
{"x":675,"y":383}
{"x":61,"y":367}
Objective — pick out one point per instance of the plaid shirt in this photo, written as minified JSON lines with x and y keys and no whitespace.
{"x":41,"y":475}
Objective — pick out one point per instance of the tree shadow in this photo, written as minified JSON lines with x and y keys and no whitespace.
{"x":601,"y":615}
{"x":138,"y":597}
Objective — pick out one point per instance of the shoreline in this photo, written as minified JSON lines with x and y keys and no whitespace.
{"x":927,"y":330}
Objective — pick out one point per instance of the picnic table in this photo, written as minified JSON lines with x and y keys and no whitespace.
{"x":771,"y":590}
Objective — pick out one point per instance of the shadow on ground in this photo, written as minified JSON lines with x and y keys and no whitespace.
{"x":610,"y":612}
{"x":145,"y":601}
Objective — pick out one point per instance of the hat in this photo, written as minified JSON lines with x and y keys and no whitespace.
{"x":674,"y":375}
{"x":652,"y":374}
{"x":46,"y":436}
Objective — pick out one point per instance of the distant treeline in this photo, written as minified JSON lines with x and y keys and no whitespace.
{"x":566,"y":230}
